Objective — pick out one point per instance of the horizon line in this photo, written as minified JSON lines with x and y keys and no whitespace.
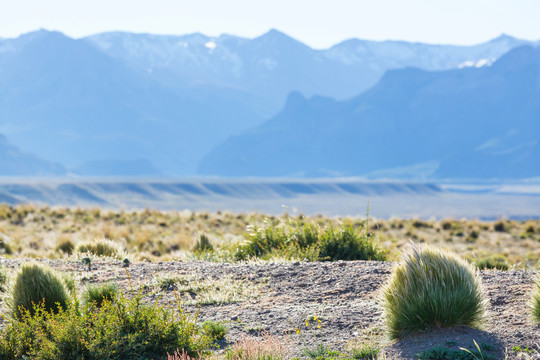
{"x":501,"y":35}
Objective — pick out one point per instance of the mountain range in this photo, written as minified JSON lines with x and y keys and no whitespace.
{"x":463,"y":123}
{"x":139,"y":104}
{"x":14,"y":162}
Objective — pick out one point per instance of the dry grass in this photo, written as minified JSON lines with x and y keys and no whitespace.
{"x":44,"y":232}
{"x":264,"y":347}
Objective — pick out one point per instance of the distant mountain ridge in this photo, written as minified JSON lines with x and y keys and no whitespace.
{"x":464,"y":123}
{"x":14,"y":162}
{"x":274,"y":64}
{"x":67,"y":101}
{"x":103,"y":104}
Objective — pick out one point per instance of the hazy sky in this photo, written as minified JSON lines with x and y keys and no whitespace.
{"x":319,"y":23}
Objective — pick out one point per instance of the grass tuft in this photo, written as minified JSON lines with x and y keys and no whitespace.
{"x":493,"y":262}
{"x":535,"y":301}
{"x":65,"y":245}
{"x":215,"y":329}
{"x":100,"y":247}
{"x":35,"y":285}
{"x":432,"y":288}
{"x":98,"y":294}
{"x":203,"y":245}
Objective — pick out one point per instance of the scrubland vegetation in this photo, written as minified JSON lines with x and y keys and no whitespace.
{"x":59,"y":233}
{"x":51,"y":315}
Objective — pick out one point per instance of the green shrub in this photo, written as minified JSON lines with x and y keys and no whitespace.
{"x":346,"y":243}
{"x":124,"y":329}
{"x":216,"y":330}
{"x":492,"y":262}
{"x":100,"y":247}
{"x":261,"y":242}
{"x":309,"y":241}
{"x":37,"y":284}
{"x":432,"y":288}
{"x":97,"y":294}
{"x":203,"y":245}
{"x":535,"y":303}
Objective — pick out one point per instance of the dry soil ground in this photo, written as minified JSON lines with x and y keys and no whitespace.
{"x":278,"y":298}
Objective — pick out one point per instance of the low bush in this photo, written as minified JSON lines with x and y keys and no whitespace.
{"x":346,"y":243}
{"x":535,"y":302}
{"x":100,"y":247}
{"x":310,"y":241}
{"x":36,"y":284}
{"x":432,"y":288}
{"x":123,"y":329}
{"x":97,"y":294}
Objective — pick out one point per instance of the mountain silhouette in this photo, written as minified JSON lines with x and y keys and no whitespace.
{"x":101,"y":104}
{"x":14,"y":162}
{"x":462,"y":123}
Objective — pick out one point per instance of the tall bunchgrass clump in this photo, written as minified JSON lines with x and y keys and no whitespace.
{"x":535,"y":301}
{"x":309,"y":241}
{"x":35,"y":285}
{"x":100,"y":247}
{"x":432,"y":288}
